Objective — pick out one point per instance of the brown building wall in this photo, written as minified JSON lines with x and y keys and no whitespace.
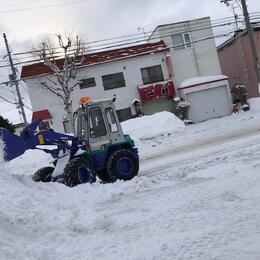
{"x":237,"y":63}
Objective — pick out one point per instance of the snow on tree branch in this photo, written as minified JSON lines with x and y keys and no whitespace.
{"x":63,"y":61}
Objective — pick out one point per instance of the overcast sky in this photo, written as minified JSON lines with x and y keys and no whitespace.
{"x":98,"y":19}
{"x":26,"y":21}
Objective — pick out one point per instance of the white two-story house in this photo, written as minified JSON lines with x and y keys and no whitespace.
{"x":192,"y":48}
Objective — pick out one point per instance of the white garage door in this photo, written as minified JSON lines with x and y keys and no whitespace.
{"x":209,"y":103}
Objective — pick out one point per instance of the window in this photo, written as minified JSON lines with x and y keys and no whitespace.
{"x":44,"y":125}
{"x":82,"y":125}
{"x":66,"y":126}
{"x":115,"y":80}
{"x":150,"y":94}
{"x":165,"y":91}
{"x":111,"y":120}
{"x":96,"y":123}
{"x":87,"y":83}
{"x":124,"y":114}
{"x":187,"y":40}
{"x":152,"y":74}
{"x":181,"y":41}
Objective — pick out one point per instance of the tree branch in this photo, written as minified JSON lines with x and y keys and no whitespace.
{"x":8,"y":101}
{"x":54,"y":91}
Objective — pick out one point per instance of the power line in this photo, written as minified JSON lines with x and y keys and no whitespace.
{"x":43,"y":6}
{"x":121,"y":43}
{"x":8,"y":101}
{"x":166,"y":48}
{"x":114,"y":44}
{"x":128,"y":36}
{"x":9,"y":82}
{"x":7,"y":94}
{"x":93,"y":43}
{"x":8,"y":90}
{"x":24,"y":2}
{"x":110,"y":44}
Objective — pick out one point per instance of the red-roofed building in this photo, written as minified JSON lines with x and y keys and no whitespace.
{"x":42,"y":114}
{"x":95,"y":58}
{"x":123,"y":73}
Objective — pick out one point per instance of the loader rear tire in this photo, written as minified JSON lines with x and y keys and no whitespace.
{"x":77,"y":171}
{"x":123,"y":165}
{"x":43,"y":174}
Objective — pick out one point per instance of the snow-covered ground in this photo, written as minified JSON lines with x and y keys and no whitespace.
{"x":196,"y":197}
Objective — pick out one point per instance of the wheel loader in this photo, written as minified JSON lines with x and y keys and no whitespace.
{"x":99,"y":149}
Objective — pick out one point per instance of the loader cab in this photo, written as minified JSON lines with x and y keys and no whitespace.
{"x":97,"y":122}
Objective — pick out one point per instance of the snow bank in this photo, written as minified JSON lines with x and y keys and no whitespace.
{"x":151,"y":127}
{"x":254,"y":104}
{"x":1,"y":152}
{"x":201,"y":80}
{"x":196,"y":203}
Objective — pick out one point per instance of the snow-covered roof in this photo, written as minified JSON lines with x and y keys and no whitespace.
{"x":135,"y":100}
{"x":42,"y":114}
{"x":37,"y":69}
{"x":177,"y":24}
{"x":240,"y":33}
{"x":192,"y":82}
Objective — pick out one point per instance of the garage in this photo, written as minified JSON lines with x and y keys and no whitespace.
{"x":208,"y":97}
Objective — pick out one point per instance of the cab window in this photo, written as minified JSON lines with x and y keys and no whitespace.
{"x":96,"y":123}
{"x":111,"y":120}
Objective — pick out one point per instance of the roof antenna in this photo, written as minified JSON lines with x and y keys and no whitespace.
{"x":141,"y":29}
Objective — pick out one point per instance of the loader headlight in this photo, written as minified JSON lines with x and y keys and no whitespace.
{"x":84,"y":100}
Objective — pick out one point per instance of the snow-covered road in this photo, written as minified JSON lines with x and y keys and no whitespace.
{"x":197,"y":197}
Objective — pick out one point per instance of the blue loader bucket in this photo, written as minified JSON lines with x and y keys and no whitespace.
{"x":13,"y":145}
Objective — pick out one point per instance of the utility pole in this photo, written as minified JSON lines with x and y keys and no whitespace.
{"x":240,"y":48}
{"x":252,"y":41}
{"x":13,"y":77}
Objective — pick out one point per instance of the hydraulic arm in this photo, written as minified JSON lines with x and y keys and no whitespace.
{"x":15,"y":146}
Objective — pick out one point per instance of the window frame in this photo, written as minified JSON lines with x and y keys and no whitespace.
{"x":90,"y":122}
{"x":107,"y":110}
{"x":106,"y":78}
{"x":83,"y":85}
{"x":122,"y":114}
{"x":150,"y":79}
{"x":185,"y":44}
{"x":165,"y":91}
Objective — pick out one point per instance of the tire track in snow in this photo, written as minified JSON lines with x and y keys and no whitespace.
{"x":198,"y":150}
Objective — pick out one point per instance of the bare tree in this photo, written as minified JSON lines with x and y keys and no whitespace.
{"x":63,"y":62}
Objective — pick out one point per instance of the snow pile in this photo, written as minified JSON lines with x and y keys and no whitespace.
{"x":183,"y":104}
{"x":1,"y":152}
{"x":197,"y":199}
{"x":150,"y":127}
{"x":201,"y":80}
{"x":254,"y":104}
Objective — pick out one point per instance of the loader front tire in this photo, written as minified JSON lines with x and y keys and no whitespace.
{"x":43,"y":174}
{"x":77,"y":171}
